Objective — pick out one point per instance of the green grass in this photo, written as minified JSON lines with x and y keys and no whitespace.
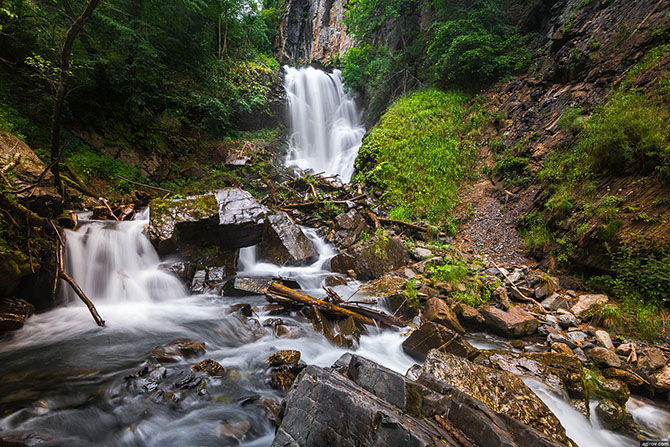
{"x":418,"y":156}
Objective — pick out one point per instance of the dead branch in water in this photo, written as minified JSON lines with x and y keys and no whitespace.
{"x":100,"y":322}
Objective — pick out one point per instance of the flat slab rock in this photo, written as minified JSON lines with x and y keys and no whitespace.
{"x":360,"y":403}
{"x":228,"y":218}
{"x":515,"y":322}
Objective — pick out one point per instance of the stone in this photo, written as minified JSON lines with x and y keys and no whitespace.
{"x":560,"y":338}
{"x":577,"y":337}
{"x":438,"y":311}
{"x":357,"y":402}
{"x":561,"y":348}
{"x":198,"y":282}
{"x":662,"y":379}
{"x":603,"y":338}
{"x":241,"y":286}
{"x":236,"y":430}
{"x":434,"y":336}
{"x":546,"y":287}
{"x":181,"y":269}
{"x":514,"y":277}
{"x":421,"y":254}
{"x":514,"y":323}
{"x":650,"y":359}
{"x":284,"y":358}
{"x":567,"y":320}
{"x":348,"y":227}
{"x":555,"y":302}
{"x":501,"y":391}
{"x":284,"y":243}
{"x":500,"y":296}
{"x":630,"y":378}
{"x":561,"y":372}
{"x":13,"y":313}
{"x":228,"y":218}
{"x":625,"y":349}
{"x":579,"y":353}
{"x":469,"y":316}
{"x":171,"y":352}
{"x":588,"y":304}
{"x":386,"y":285}
{"x":611,"y":414}
{"x":371,"y":259}
{"x":209,"y":367}
{"x":604,"y":356}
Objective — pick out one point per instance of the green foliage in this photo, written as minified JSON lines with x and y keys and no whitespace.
{"x":415,"y":154}
{"x":477,"y":46}
{"x":469,"y":43}
{"x":410,"y":294}
{"x":571,"y":120}
{"x":513,"y":169}
{"x":451,"y":272}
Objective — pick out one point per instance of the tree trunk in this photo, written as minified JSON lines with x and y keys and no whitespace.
{"x":61,"y":89}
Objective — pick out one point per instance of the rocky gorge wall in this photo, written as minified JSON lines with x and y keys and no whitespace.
{"x":312,"y":30}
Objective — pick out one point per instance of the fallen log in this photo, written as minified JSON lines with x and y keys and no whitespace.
{"x":284,"y":295}
{"x":80,"y":293}
{"x":410,"y":225}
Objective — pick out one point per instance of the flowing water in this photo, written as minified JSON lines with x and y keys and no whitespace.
{"x":325,"y":123}
{"x":64,"y":380}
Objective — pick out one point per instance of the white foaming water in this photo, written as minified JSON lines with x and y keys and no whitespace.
{"x":652,"y":420}
{"x":584,"y":432}
{"x":325,"y":123}
{"x":116,"y":262}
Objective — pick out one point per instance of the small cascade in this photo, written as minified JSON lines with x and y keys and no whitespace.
{"x":115,"y":262}
{"x":325,"y":123}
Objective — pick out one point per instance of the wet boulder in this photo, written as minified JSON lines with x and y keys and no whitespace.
{"x":430,"y":336}
{"x":14,"y":313}
{"x":348,"y":227}
{"x":468,"y":316}
{"x":501,"y":391}
{"x":588,"y":304}
{"x":650,"y":359}
{"x":358,"y":402}
{"x":558,"y":371}
{"x":372,"y":258}
{"x":228,"y":219}
{"x":284,"y":367}
{"x":174,"y":351}
{"x":209,"y":367}
{"x":662,"y":379}
{"x":283,"y":242}
{"x":515,"y":322}
{"x":603,"y":356}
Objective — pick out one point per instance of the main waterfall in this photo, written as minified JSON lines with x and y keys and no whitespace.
{"x":325,"y":123}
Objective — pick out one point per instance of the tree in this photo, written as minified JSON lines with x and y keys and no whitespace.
{"x":61,"y":89}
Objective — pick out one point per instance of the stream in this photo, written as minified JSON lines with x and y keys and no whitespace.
{"x":64,"y":379}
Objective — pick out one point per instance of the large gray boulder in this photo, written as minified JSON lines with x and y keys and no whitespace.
{"x":283,"y":242}
{"x":227,"y":219}
{"x":431,"y":335}
{"x":372,"y":258}
{"x":358,"y":402}
{"x":502,"y":391}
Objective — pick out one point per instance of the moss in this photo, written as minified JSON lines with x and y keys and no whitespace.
{"x":413,"y":400}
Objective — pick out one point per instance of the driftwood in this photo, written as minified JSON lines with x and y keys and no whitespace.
{"x":410,"y":225}
{"x":111,"y":213}
{"x":284,"y":295}
{"x":147,"y":186}
{"x":65,"y":277}
{"x":521,"y":295}
{"x":289,"y":295}
{"x":321,"y":202}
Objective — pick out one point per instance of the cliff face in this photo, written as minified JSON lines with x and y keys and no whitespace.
{"x":312,"y":30}
{"x":586,"y":51}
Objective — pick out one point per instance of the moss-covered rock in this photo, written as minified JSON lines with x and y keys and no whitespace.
{"x":372,"y":258}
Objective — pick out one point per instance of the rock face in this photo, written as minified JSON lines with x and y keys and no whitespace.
{"x":435,"y":336}
{"x":45,"y":199}
{"x":285,"y":243}
{"x":312,"y":30}
{"x":358,"y":402}
{"x":516,"y":322}
{"x":371,"y":259}
{"x":348,"y":227}
{"x":229,"y":218}
{"x":587,"y":304}
{"x":501,"y":391}
{"x":14,"y":313}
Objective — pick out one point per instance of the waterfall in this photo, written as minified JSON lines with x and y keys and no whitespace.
{"x":115,"y":262}
{"x":325,"y":123}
